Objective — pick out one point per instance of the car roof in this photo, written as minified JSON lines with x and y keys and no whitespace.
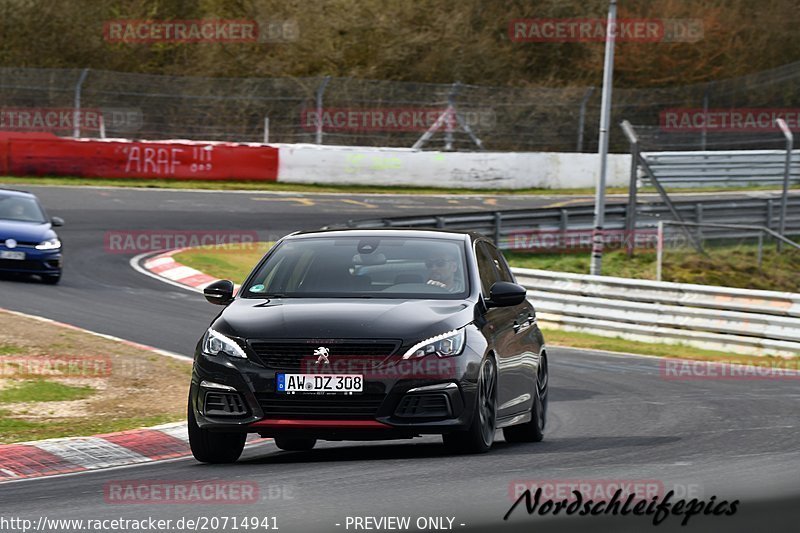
{"x":388,"y":232}
{"x":15,"y":192}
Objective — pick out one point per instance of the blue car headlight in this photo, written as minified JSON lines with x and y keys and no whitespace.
{"x":49,"y":244}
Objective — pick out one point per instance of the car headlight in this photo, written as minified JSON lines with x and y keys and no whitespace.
{"x":444,"y":345}
{"x":215,"y":343}
{"x":49,"y":244}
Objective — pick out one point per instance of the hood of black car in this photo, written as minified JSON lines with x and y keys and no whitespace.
{"x":342,"y":318}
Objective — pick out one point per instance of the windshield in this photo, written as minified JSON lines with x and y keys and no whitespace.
{"x":21,"y":209}
{"x":358,"y":267}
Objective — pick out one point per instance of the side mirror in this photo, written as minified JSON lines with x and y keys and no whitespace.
{"x":57,"y":221}
{"x":506,"y":294}
{"x":220,"y":292}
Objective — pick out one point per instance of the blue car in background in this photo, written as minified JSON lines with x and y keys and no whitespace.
{"x":28,"y":244}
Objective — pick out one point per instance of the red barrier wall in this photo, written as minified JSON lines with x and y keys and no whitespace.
{"x":40,"y":154}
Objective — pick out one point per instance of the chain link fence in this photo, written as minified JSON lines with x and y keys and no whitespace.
{"x":357,"y":112}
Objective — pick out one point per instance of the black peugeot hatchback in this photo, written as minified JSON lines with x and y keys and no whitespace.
{"x":370,"y":335}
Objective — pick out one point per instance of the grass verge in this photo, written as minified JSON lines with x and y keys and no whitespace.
{"x":58,"y":382}
{"x":728,"y":266}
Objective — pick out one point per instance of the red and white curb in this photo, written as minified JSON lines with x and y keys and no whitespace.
{"x":81,"y":454}
{"x":163,"y":267}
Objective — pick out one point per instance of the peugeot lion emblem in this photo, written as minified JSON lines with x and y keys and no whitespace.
{"x":322,"y":355}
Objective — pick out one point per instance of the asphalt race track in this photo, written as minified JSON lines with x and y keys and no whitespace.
{"x":610,"y":418}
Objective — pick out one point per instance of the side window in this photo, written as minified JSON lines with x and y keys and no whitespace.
{"x":501,"y":264}
{"x":486,"y":267}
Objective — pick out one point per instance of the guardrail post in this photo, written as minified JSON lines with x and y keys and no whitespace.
{"x":770,"y":213}
{"x":659,"y":249}
{"x":698,"y":215}
{"x":498,"y":222}
{"x":786,"y":174}
{"x":440,"y":222}
{"x":630,"y":212}
{"x":266,"y":130}
{"x":760,"y":247}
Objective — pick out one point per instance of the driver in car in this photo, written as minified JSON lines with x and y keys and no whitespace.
{"x":442,"y":272}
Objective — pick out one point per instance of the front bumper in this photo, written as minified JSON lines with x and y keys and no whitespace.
{"x":230,"y":394}
{"x":48,"y":262}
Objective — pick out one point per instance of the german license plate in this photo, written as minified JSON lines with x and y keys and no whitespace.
{"x":344,"y":383}
{"x":18,"y":256}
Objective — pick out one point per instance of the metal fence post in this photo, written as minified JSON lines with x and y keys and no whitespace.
{"x":582,"y":116}
{"x":705,"y":117}
{"x":320,"y":92}
{"x":498,"y":222}
{"x":448,"y":127}
{"x":786,"y":174}
{"x":76,"y":115}
{"x":266,"y":130}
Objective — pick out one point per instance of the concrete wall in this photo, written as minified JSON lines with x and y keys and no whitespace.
{"x":308,"y":163}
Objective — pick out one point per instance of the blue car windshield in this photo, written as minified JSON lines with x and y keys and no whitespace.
{"x":363,"y":267}
{"x":20,"y":209}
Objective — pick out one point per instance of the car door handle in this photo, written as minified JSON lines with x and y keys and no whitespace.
{"x":528,"y":322}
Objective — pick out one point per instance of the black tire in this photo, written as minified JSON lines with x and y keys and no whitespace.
{"x":480,"y":435}
{"x":533,"y":431}
{"x":295,"y":445}
{"x":213,"y":447}
{"x":51,"y":279}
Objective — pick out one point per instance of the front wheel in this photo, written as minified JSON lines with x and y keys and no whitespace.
{"x":212,"y":447}
{"x":480,"y":435}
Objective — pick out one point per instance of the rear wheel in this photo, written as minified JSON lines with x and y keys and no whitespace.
{"x":533,"y":431}
{"x":294,"y":445}
{"x":212,"y":447}
{"x":480,"y":435}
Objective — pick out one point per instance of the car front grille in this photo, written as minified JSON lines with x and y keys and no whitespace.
{"x":25,"y":264}
{"x":292,"y":355}
{"x":329,"y":406}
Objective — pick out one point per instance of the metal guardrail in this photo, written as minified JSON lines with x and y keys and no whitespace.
{"x":736,"y":320}
{"x":508,"y":227}
{"x":729,"y":168}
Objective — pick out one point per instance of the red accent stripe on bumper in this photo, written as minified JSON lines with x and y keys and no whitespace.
{"x":320,"y":424}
